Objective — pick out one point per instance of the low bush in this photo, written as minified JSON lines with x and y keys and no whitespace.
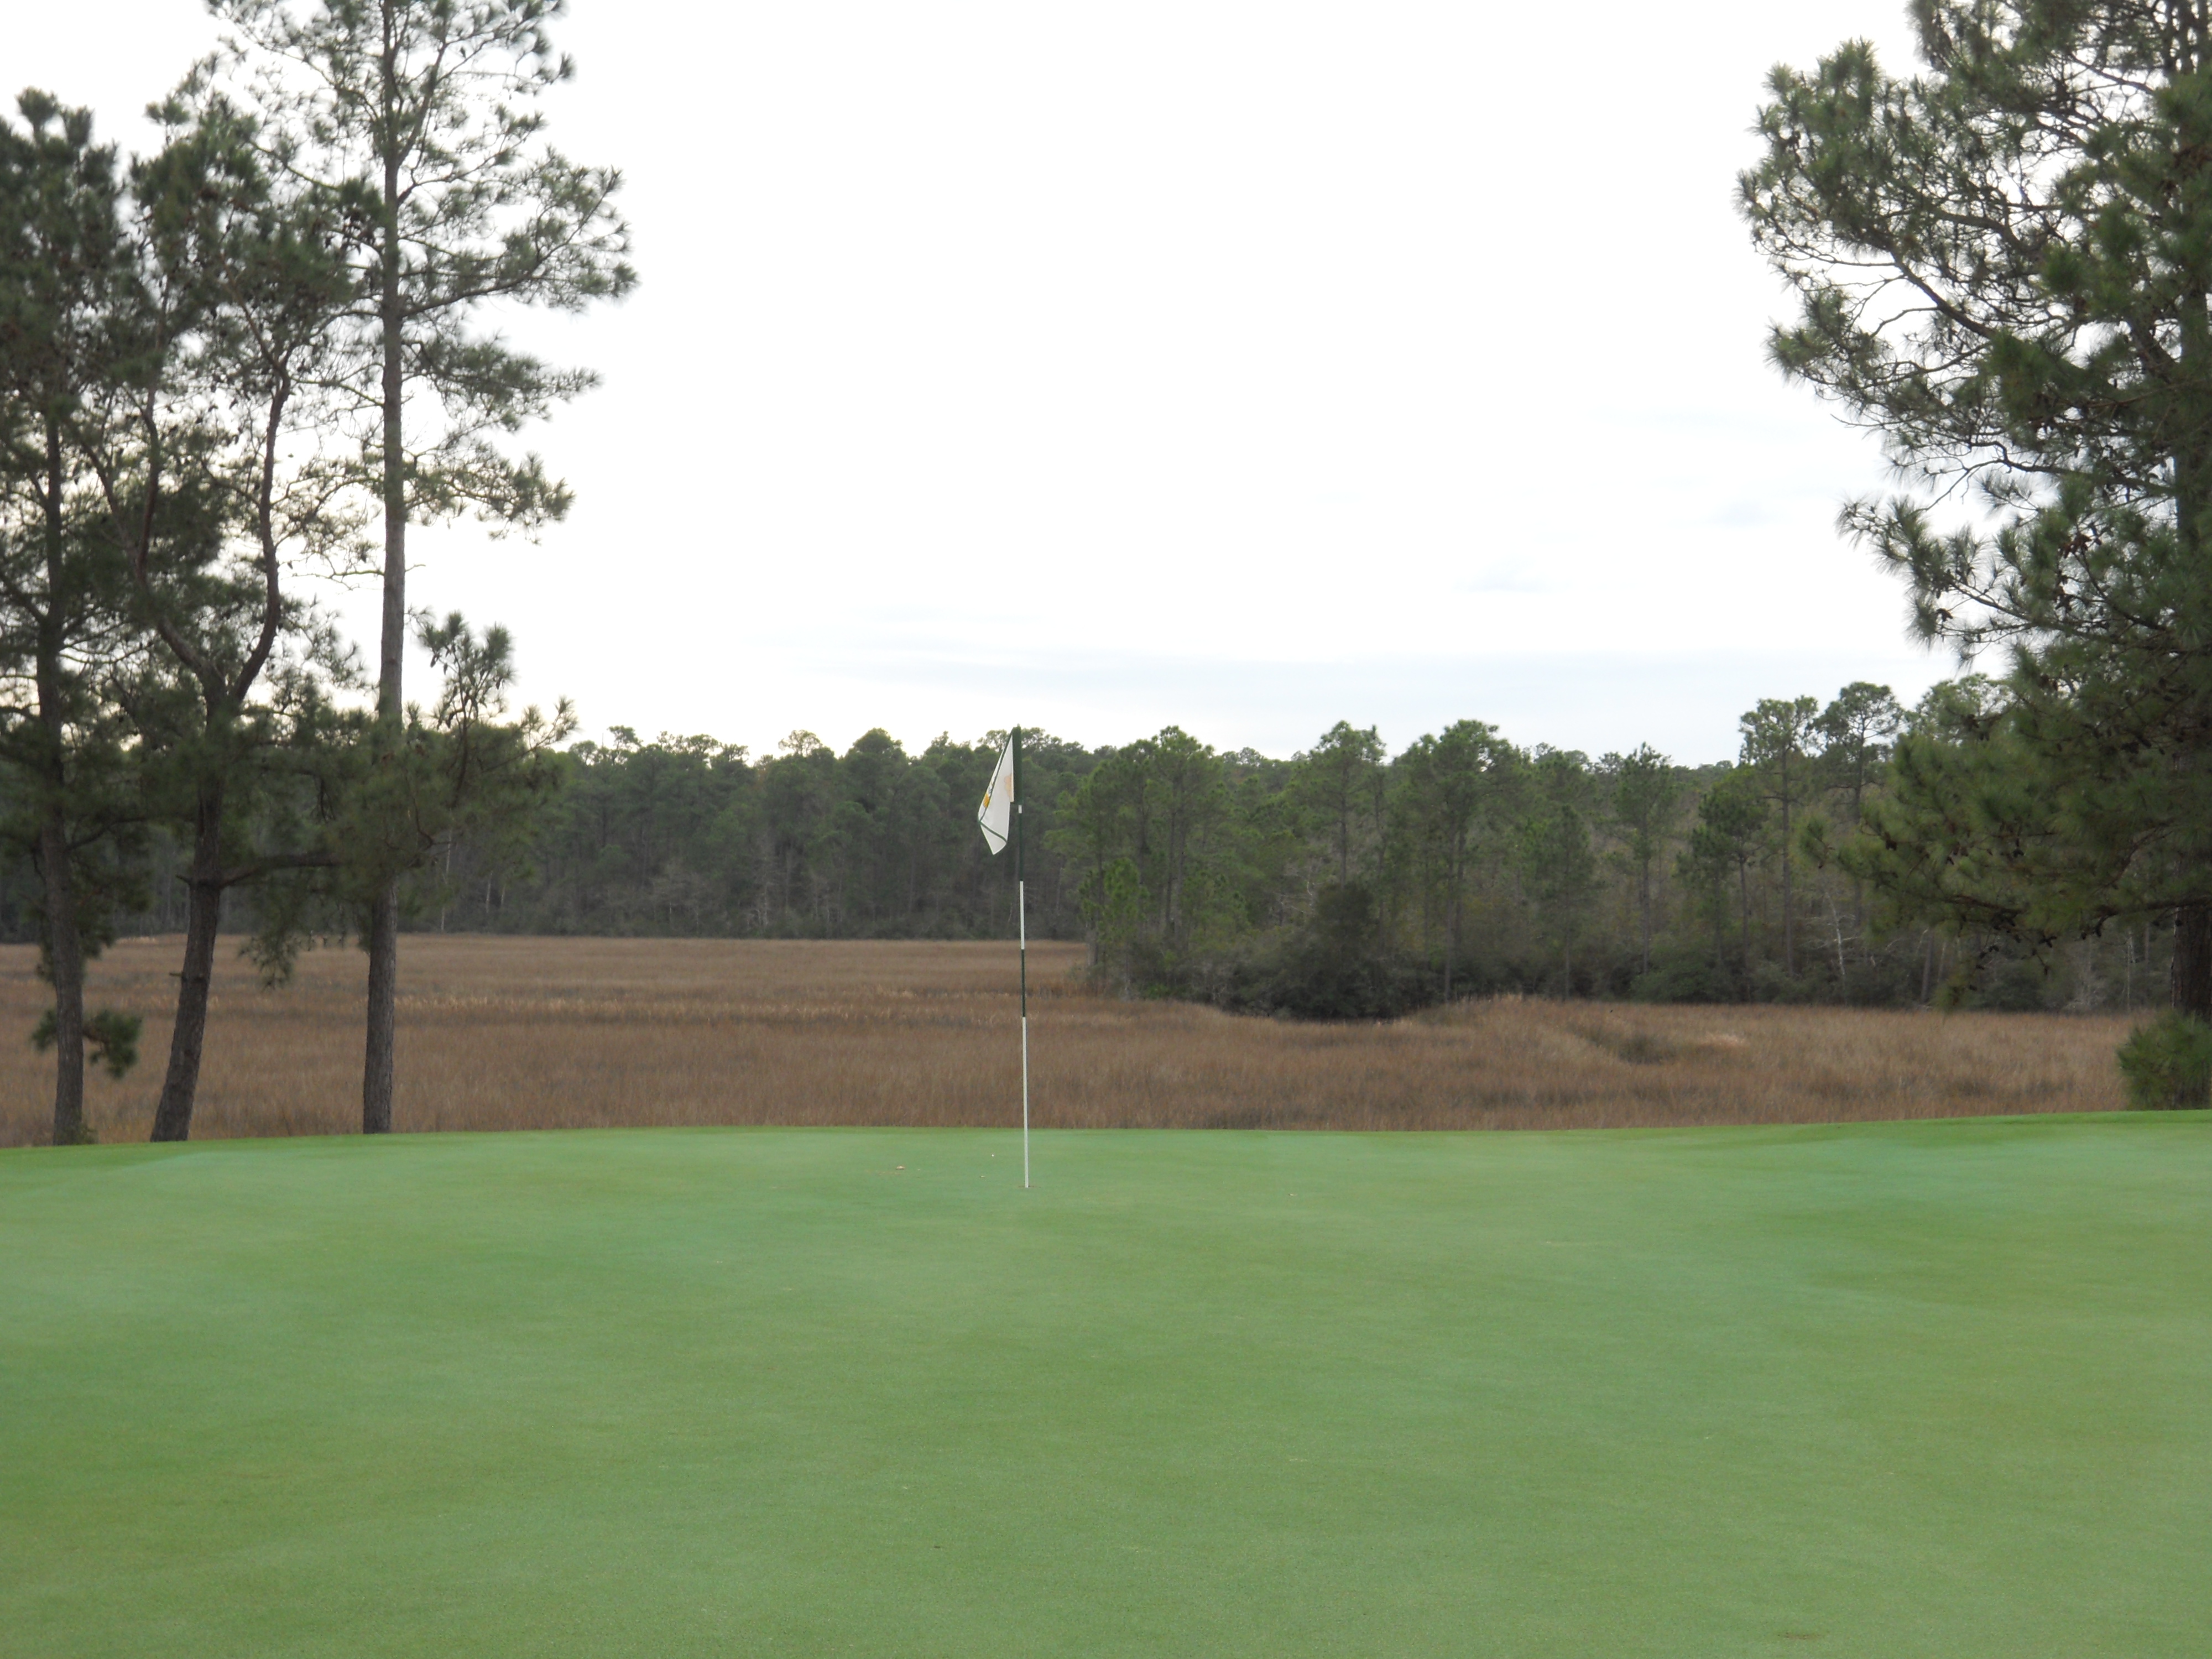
{"x":2168,"y":1064}
{"x":1683,"y":976}
{"x":1335,"y":967}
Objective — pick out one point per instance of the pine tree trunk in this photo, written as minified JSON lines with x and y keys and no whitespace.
{"x":2192,"y":971}
{"x":64,"y":943}
{"x":383,"y":940}
{"x":65,"y":961}
{"x":2192,"y":961}
{"x":1645,"y":889}
{"x":173,"y":1115}
{"x":1788,"y":906}
{"x":376,"y":1077}
{"x":1457,"y":866}
{"x":1743,"y":882}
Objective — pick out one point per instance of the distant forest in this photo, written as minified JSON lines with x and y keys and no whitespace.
{"x":1343,"y":881}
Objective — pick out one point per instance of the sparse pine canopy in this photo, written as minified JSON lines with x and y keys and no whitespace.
{"x":423,"y":118}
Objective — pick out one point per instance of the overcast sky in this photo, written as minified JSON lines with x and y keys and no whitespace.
{"x":1243,"y":366}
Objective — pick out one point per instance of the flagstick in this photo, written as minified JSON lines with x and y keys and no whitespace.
{"x":1022,"y":902}
{"x":1021,"y":912}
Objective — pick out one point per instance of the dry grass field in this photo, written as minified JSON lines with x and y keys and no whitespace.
{"x":527,"y":1033}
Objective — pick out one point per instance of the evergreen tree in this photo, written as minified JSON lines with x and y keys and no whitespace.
{"x":1449,"y":783}
{"x":423,"y":118}
{"x":1856,"y":732}
{"x":64,"y":269}
{"x":1646,"y":793}
{"x":464,"y":774}
{"x":1561,"y":868}
{"x":1775,"y":736}
{"x":1727,"y":839}
{"x":213,"y":489}
{"x":2005,"y":267}
{"x":1341,"y":781}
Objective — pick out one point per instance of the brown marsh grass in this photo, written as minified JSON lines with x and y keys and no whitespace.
{"x":531,"y":1033}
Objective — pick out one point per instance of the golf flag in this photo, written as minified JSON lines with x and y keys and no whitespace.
{"x":995,"y":816}
{"x":1000,"y":818}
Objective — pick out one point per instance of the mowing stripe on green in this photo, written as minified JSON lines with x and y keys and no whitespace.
{"x":1929,"y":1389}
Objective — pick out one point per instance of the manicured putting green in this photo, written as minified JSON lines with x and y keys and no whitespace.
{"x":1939,"y":1389}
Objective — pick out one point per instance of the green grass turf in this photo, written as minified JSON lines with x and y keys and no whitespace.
{"x":1887,"y":1390}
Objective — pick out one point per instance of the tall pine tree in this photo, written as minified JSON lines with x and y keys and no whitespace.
{"x":2004,"y":266}
{"x":64,"y":271}
{"x":425,"y":116}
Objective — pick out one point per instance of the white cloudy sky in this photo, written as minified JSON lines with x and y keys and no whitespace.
{"x":1248,"y":365}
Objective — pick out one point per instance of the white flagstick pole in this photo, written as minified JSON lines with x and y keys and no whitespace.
{"x":1022,"y":904}
{"x":1021,"y":912}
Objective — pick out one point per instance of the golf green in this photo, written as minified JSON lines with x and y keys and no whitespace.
{"x":1885,"y":1390}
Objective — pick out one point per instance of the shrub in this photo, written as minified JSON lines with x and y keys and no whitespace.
{"x":2168,"y":1064}
{"x":1683,"y":976}
{"x":1335,"y":967}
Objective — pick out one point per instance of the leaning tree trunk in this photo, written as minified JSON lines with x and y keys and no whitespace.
{"x":2192,"y":961}
{"x":172,"y":1116}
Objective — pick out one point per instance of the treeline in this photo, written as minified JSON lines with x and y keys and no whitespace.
{"x":1345,"y":881}
{"x":690,"y":835}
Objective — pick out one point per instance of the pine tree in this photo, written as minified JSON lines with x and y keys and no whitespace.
{"x":1556,"y":862}
{"x":423,"y":117}
{"x":1449,"y":780}
{"x":2004,"y":266}
{"x":64,"y":269}
{"x":1777,"y":735}
{"x":1340,"y":781}
{"x":1858,"y":732}
{"x":1727,"y":839}
{"x":214,"y":491}
{"x":1647,"y":791}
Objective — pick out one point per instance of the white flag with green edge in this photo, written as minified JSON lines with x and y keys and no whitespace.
{"x":995,"y":816}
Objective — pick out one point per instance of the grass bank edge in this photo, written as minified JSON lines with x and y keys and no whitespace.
{"x":398,"y":1144}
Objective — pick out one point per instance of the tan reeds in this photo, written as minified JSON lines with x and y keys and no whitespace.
{"x":511,"y":1033}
